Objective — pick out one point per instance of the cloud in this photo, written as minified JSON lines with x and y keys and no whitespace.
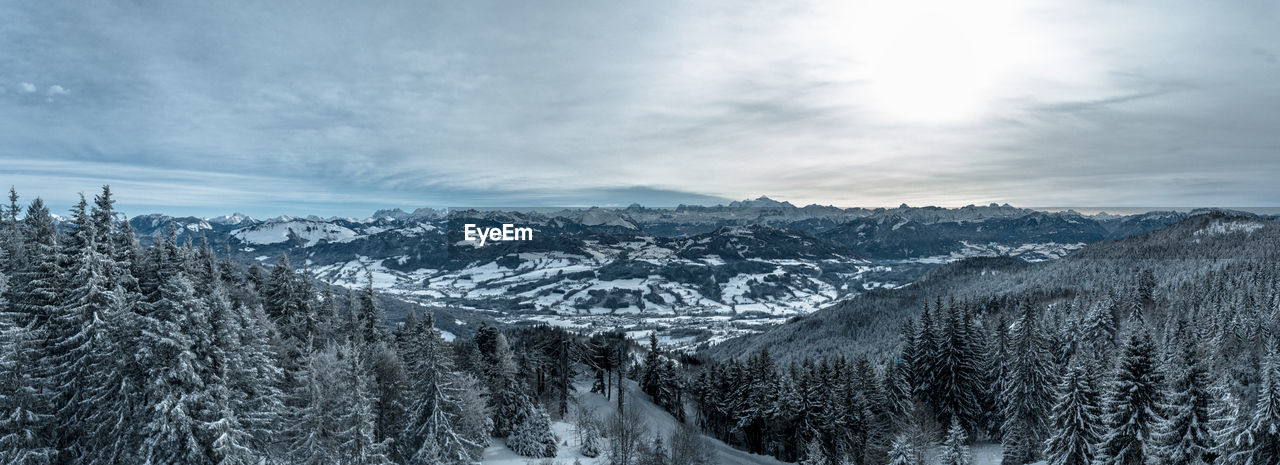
{"x":560,"y":102}
{"x":1267,"y":55}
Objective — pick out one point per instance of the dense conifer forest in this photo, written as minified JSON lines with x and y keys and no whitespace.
{"x":1159,"y":349}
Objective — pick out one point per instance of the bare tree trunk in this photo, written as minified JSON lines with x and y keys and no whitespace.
{"x":564,"y":376}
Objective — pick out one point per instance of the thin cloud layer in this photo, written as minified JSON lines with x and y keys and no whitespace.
{"x":341,"y":107}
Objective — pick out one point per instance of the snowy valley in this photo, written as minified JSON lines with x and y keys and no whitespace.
{"x":697,"y":275}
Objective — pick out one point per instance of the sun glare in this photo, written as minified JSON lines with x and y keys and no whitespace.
{"x":931,"y":61}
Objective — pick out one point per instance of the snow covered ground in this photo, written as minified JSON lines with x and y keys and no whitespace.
{"x":553,"y":282}
{"x":310,"y":232}
{"x":565,"y":290}
{"x":1030,"y":252}
{"x":989,"y":454}
{"x":658,"y":421}
{"x":498,"y":454}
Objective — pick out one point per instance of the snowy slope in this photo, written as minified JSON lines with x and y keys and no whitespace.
{"x":658,"y":421}
{"x":308,"y":232}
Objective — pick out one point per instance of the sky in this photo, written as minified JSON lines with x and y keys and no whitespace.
{"x":340,"y":107}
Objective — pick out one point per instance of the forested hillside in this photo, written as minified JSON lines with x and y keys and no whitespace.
{"x":1157,"y":265}
{"x":1158,"y":349}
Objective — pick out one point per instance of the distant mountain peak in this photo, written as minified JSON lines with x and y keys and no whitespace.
{"x":393,"y":213}
{"x":761,"y":202}
{"x":232,"y":219}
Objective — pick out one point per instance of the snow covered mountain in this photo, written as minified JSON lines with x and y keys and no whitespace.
{"x":232,"y":219}
{"x":303,"y":232}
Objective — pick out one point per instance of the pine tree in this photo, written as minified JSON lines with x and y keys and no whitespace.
{"x":532,"y":436}
{"x":925,"y":364}
{"x":431,"y":434}
{"x":907,"y":355}
{"x":113,"y":390}
{"x":591,"y":443}
{"x":957,"y":380}
{"x":370,"y":317}
{"x":104,"y":220}
{"x":650,"y":382}
{"x":305,"y":322}
{"x":230,"y":442}
{"x":1134,"y":399}
{"x":860,"y":399}
{"x":753,"y":399}
{"x":955,"y":451}
{"x":814,"y":454}
{"x":1183,"y":436}
{"x":1227,"y":425}
{"x":23,"y":435}
{"x":232,"y":361}
{"x":280,"y":295}
{"x":104,"y":307}
{"x":389,"y":395}
{"x":1028,"y":393}
{"x":312,"y":424}
{"x":85,"y":343}
{"x":357,"y":423}
{"x":1263,"y":432}
{"x":1074,"y":419}
{"x":897,"y":395}
{"x":658,"y":380}
{"x":1098,"y":329}
{"x":127,"y":254}
{"x":162,"y":261}
{"x":36,"y":290}
{"x":173,"y":392}
{"x":474,"y":420}
{"x":35,"y":294}
{"x":329,"y":319}
{"x":902,"y":453}
{"x":260,"y":399}
{"x":506,"y":391}
{"x":990,"y":345}
{"x":11,"y":237}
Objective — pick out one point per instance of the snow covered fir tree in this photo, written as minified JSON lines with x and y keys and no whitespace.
{"x":1159,"y":349}
{"x":114,"y":353}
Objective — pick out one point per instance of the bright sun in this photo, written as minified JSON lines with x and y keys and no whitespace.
{"x":933,"y":61}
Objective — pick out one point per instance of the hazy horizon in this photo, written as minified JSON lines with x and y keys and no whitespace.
{"x":132,"y":211}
